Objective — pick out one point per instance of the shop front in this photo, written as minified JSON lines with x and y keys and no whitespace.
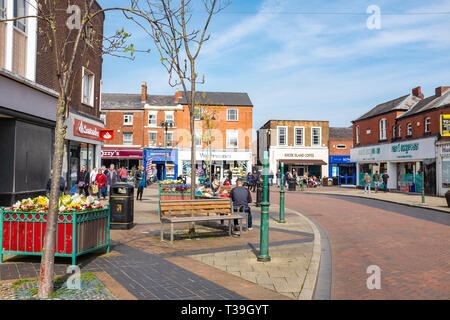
{"x":165,"y":161}
{"x":443,"y":167}
{"x":122,"y":157}
{"x":305,"y":161}
{"x":220,"y":162}
{"x":342,"y":170}
{"x":82,"y":147}
{"x":409,"y":164}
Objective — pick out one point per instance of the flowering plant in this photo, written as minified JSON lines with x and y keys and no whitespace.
{"x":67,"y":204}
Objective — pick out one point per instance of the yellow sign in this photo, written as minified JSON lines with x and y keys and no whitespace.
{"x":445,"y":125}
{"x":119,"y":207}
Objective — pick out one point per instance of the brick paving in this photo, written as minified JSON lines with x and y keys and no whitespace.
{"x":410,"y":246}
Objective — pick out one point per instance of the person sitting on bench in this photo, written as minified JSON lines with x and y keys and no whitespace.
{"x":241,"y":197}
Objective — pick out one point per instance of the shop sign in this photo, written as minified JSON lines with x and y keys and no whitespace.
{"x":445,"y":125}
{"x":340,"y":159}
{"x":86,"y":130}
{"x":298,"y":155}
{"x":161,"y":155}
{"x":123,"y":154}
{"x":406,"y":148}
{"x":107,"y":134}
{"x":445,"y":150}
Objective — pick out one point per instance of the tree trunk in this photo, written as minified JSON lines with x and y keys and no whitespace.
{"x":193,"y":146}
{"x":48,"y":251}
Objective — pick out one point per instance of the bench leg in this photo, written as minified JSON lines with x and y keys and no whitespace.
{"x":229,"y":227}
{"x":240,"y":228}
{"x":162,"y":231}
{"x":171,"y":233}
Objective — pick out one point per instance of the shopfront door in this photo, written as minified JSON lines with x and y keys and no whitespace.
{"x":347,"y":175}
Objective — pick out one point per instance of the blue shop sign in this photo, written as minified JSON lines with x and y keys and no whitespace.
{"x":340,"y":160}
{"x":159,"y":155}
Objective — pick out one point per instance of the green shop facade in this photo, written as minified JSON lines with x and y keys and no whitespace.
{"x":403,"y":161}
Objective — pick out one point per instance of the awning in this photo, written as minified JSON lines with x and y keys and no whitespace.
{"x":122,"y":153}
{"x":304,"y":162}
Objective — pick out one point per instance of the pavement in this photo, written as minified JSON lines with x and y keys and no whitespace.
{"x":211,"y":265}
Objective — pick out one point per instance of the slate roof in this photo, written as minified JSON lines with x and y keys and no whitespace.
{"x":341,"y":133}
{"x":237,"y":99}
{"x":427,"y":104}
{"x":123,"y":101}
{"x":386,"y":107}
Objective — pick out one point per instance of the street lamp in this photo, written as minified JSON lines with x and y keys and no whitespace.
{"x":166,"y":125}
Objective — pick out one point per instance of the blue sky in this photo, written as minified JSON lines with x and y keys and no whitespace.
{"x":297,"y":64}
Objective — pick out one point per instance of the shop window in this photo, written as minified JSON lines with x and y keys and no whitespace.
{"x":427,"y":124}
{"x":316,"y":136}
{"x":409,"y":129}
{"x":152,"y":119}
{"x":20,"y":10}
{"x":299,"y":136}
{"x":383,"y":129}
{"x":446,"y":172}
{"x":152,"y":139}
{"x":232,"y":115}
{"x":88,"y":87}
{"x":127,"y":119}
{"x":169,"y":139}
{"x":282,"y":136}
{"x":232,"y":138}
{"x":127,"y":139}
{"x":357,"y":134}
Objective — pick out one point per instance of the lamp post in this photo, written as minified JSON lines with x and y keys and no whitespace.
{"x":282,"y":195}
{"x":166,"y":125}
{"x":264,"y":233}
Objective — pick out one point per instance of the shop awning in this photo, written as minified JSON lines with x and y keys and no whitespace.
{"x":122,"y":153}
{"x":304,"y":162}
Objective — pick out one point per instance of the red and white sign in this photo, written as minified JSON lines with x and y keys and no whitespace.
{"x":107,"y":134}
{"x":122,"y":154}
{"x":86,"y":130}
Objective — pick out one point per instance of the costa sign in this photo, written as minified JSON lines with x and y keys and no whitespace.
{"x":86,"y":130}
{"x":107,"y":134}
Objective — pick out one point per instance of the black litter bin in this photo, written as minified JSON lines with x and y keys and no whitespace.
{"x":260,"y":193}
{"x":292,"y":184}
{"x":121,"y":204}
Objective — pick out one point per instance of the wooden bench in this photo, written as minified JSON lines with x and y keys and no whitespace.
{"x":183,"y":211}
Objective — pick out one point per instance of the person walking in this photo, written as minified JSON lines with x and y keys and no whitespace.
{"x":230,"y":176}
{"x":93,"y":175}
{"x":271,"y":178}
{"x":62,"y":184}
{"x":241,"y":197}
{"x":367,"y":181}
{"x":140,"y":183}
{"x":123,"y":174}
{"x":100,"y":179}
{"x":385,"y":178}
{"x":250,"y":181}
{"x":112,"y":178}
{"x":278,"y":178}
{"x":376,"y":181}
{"x":83,"y":181}
{"x":256,"y":179}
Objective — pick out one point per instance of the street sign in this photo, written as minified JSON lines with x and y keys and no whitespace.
{"x":445,"y":125}
{"x":107,"y":134}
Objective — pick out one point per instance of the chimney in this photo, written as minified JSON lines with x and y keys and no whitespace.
{"x":144,"y":92}
{"x":440,"y":91}
{"x":178,"y":95}
{"x":418,"y":92}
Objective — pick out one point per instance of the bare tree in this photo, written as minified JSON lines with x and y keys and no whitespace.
{"x":66,"y":29}
{"x":168,"y":23}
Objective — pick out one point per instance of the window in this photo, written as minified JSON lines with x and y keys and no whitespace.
{"x":409,"y":129}
{"x":427,"y":124}
{"x":299,"y":136}
{"x":20,"y":10}
{"x":197,"y":113}
{"x":169,"y":139}
{"x":341,"y":146}
{"x":103,"y":117}
{"x":152,"y":119}
{"x":2,"y":9}
{"x":127,"y":139}
{"x":170,"y":117}
{"x":282,"y":136}
{"x":88,"y":34}
{"x":152,"y":139}
{"x":316,"y":136}
{"x":127,"y":119}
{"x":88,"y":88}
{"x":198,"y":138}
{"x":232,"y":115}
{"x":232,"y":138}
{"x":393,"y":132}
{"x":399,"y":130}
{"x":383,"y":129}
{"x":357,"y":134}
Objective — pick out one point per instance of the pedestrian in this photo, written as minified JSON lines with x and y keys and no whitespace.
{"x":271,"y":178}
{"x":83,"y":181}
{"x":140,"y":183}
{"x":256,"y":178}
{"x":385,"y":178}
{"x":123,"y":174}
{"x":278,"y":178}
{"x":367,"y":181}
{"x":230,"y":176}
{"x":286,"y":179}
{"x":62,"y":184}
{"x":376,"y":181}
{"x":100,"y":180}
{"x":250,"y":181}
{"x":241,"y":197}
{"x":111,"y":178}
{"x":93,"y":175}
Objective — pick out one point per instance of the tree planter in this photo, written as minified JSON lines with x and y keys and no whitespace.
{"x":174,"y":195}
{"x":77,"y":233}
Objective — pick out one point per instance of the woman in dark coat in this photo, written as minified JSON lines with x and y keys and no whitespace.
{"x":83,"y":181}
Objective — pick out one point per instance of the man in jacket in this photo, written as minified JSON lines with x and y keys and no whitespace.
{"x":241,"y":197}
{"x":367,"y":182}
{"x":111,"y":178}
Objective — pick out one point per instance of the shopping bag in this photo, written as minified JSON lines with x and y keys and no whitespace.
{"x":73,"y":190}
{"x":94,"y":189}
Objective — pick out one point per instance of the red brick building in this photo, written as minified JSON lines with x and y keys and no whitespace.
{"x":400,"y":137}
{"x":341,"y":169}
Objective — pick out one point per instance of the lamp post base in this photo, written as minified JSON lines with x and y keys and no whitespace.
{"x":263,"y":258}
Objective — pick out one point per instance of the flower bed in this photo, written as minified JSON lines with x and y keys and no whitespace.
{"x":175,"y":190}
{"x":83,"y":226}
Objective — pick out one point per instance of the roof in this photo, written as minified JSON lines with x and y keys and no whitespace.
{"x":398,"y":104}
{"x":238,"y":99}
{"x":427,"y":104}
{"x":123,"y":101}
{"x":341,"y":133}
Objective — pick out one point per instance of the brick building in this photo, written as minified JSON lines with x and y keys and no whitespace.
{"x":340,"y":166}
{"x":139,"y":134}
{"x":400,"y":137}
{"x":28,"y":99}
{"x":299,"y":144}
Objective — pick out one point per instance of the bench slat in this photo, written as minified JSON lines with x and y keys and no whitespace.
{"x":185,"y":212}
{"x":182,"y":219}
{"x":169,"y":208}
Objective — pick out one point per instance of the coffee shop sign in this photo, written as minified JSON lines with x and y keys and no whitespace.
{"x":299,"y":155}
